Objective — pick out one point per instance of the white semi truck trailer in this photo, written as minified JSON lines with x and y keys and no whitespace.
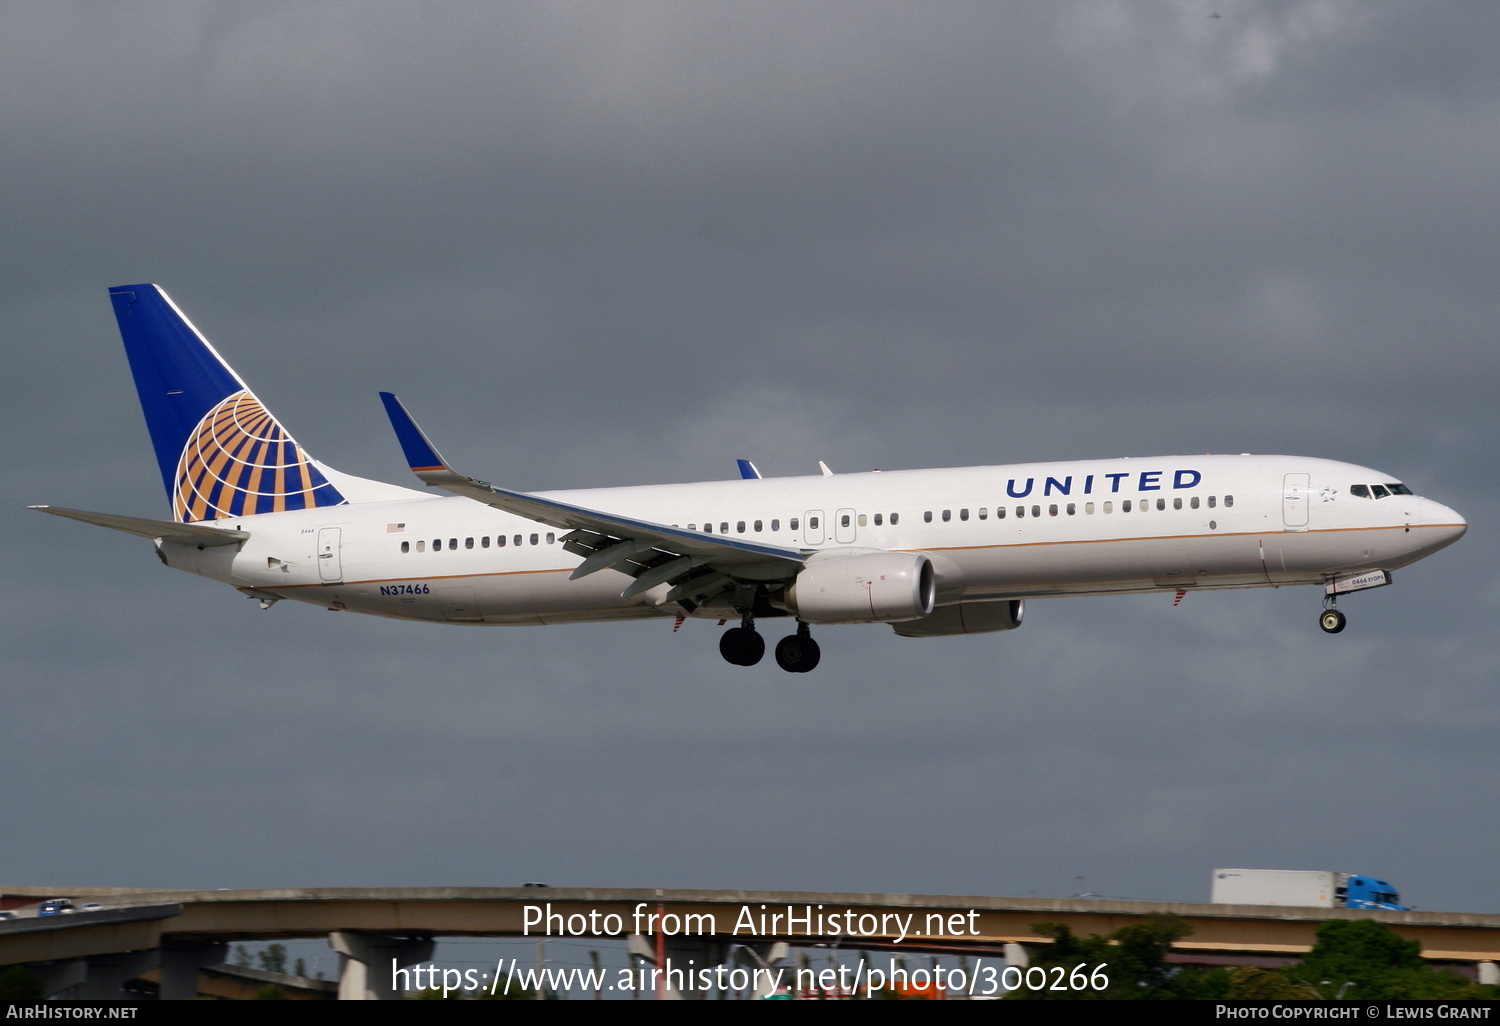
{"x":1306,"y":888}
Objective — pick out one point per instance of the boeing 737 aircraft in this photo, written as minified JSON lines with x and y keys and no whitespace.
{"x":930,"y":552}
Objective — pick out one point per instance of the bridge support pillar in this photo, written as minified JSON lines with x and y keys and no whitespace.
{"x":765,"y":956}
{"x":685,"y":957}
{"x":1489,"y":973}
{"x":180,"y":962}
{"x":367,"y":968}
{"x":1017,"y":955}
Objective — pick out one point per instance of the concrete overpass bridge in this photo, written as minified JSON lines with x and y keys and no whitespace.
{"x":175,"y":934}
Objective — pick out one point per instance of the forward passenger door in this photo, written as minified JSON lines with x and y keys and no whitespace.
{"x":1294,"y":501}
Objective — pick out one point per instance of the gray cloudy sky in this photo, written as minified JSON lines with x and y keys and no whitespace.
{"x":601,"y":244}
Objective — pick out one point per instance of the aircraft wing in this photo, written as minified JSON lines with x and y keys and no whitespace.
{"x":697,"y":565}
{"x":164,"y":530}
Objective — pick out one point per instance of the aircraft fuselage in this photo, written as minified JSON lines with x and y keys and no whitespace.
{"x":992,"y":533}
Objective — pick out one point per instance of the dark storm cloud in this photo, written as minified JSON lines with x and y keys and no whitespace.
{"x":605,"y":245}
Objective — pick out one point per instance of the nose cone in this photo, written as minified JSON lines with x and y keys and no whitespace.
{"x":1441,"y":526}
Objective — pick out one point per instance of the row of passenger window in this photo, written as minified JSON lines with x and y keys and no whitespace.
{"x":739,"y":526}
{"x":1072,"y":508}
{"x":484,"y":542}
{"x":847,"y":520}
{"x":793,"y":524}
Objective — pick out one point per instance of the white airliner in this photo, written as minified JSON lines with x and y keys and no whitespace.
{"x":930,"y":552}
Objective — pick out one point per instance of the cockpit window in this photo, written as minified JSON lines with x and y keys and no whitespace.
{"x":1380,"y":491}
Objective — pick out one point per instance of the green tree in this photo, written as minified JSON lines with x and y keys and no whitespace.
{"x":1360,"y":959}
{"x":1136,"y":964}
{"x":1248,"y":983}
{"x":273,"y":958}
{"x":512,"y":991}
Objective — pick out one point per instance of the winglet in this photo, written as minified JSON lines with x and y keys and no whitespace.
{"x":421,"y":455}
{"x":748,"y":471}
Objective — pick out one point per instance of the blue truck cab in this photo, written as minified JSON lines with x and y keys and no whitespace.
{"x":1368,"y":892}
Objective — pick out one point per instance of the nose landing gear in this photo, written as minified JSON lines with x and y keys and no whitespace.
{"x":1331,"y":620}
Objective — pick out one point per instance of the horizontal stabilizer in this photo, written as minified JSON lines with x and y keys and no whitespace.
{"x":165,"y":530}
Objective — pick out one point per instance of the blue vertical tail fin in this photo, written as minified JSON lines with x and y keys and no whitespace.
{"x":221,"y":453}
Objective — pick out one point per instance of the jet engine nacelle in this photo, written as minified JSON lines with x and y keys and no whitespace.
{"x":965,"y":618}
{"x":870,"y":587}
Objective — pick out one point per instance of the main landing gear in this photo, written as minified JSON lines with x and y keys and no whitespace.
{"x":741,"y":645}
{"x":1331,"y":620}
{"x":795,"y":653}
{"x":798,"y":653}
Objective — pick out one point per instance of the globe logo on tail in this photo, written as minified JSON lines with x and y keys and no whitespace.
{"x":239,"y":461}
